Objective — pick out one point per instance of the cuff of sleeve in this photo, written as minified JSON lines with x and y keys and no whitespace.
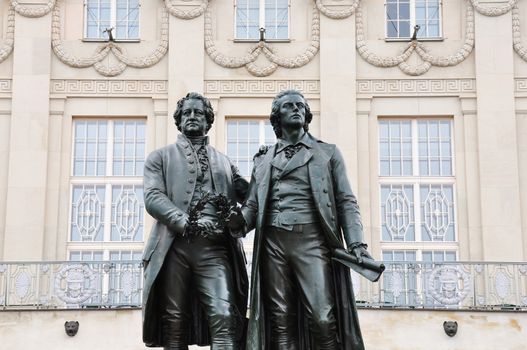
{"x":179,"y":224}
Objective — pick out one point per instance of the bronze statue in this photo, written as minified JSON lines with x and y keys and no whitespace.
{"x":195,"y":283}
{"x":302,"y":206}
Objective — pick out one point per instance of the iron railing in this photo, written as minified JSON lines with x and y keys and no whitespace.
{"x":490,"y":286}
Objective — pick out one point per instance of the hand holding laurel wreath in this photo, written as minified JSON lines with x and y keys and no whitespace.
{"x":197,"y":225}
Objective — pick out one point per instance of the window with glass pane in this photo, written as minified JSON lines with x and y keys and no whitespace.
{"x":403,"y":15}
{"x":106,"y":183}
{"x":244,"y":138}
{"x":417,"y":183}
{"x":272,"y":15}
{"x":120,"y":15}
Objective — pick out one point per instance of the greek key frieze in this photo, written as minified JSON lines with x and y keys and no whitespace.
{"x":260,"y":87}
{"x":416,"y":86}
{"x":108,"y":87}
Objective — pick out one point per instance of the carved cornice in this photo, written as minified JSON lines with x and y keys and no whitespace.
{"x":260,"y":87}
{"x":416,"y":86}
{"x":87,"y":87}
{"x":106,"y":69}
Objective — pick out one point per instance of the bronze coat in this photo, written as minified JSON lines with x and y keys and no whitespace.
{"x":168,"y":201}
{"x":339,"y":217}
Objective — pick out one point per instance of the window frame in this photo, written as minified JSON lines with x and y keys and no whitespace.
{"x":262,"y":120}
{"x":113,"y":22}
{"x":261,"y":24}
{"x":106,"y":245}
{"x":417,"y":180}
{"x":412,"y":24}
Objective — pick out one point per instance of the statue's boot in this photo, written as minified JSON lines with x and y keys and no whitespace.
{"x":175,"y":335}
{"x":224,"y":331}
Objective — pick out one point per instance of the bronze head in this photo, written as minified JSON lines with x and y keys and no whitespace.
{"x":196,"y":103}
{"x":275,"y":117}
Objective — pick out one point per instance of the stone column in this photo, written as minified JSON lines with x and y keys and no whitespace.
{"x":28,"y":154}
{"x":338,"y":120}
{"x":497,"y":139}
{"x":185,"y":62}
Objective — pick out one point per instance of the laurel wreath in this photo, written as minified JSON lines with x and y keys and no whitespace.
{"x":223,"y":211}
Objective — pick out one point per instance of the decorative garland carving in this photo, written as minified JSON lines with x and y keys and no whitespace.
{"x":517,"y":35}
{"x":248,"y":60}
{"x":7,"y":47}
{"x":428,"y":60}
{"x":337,"y":14}
{"x":190,"y":14}
{"x":494,"y":11}
{"x":102,"y":52}
{"x":32,"y":10}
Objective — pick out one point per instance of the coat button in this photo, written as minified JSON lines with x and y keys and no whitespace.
{"x":191,"y":161}
{"x":332,"y":218}
{"x":189,"y":154}
{"x":325,"y":190}
{"x":192,"y":171}
{"x":189,"y":191}
{"x":329,"y":204}
{"x":185,"y":202}
{"x":191,"y":180}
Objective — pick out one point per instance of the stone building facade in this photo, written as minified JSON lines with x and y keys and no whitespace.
{"x":432,"y":123}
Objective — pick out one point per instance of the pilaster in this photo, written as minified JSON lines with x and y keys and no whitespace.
{"x":29,"y":134}
{"x":497,"y":139}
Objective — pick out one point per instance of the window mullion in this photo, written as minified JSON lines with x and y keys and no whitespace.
{"x":261,"y":13}
{"x":415,"y":148}
{"x":107,"y":213}
{"x":261,"y":132}
{"x":109,"y":149}
{"x":113,"y":15}
{"x":417,"y":212}
{"x":412,"y":16}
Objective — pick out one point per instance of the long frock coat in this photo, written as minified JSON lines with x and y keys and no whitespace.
{"x":169,"y":183}
{"x":339,"y":217}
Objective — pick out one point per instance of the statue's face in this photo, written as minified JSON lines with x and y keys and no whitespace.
{"x":193,"y":120}
{"x":292,"y":111}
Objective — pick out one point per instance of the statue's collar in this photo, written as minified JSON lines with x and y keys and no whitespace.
{"x":306,"y":140}
{"x":194,"y":140}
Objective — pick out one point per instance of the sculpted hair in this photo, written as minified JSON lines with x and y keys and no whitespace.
{"x":274,"y":118}
{"x":209,"y":113}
